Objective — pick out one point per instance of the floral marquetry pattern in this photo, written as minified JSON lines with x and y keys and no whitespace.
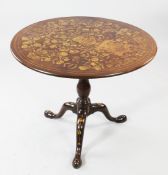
{"x":83,"y":46}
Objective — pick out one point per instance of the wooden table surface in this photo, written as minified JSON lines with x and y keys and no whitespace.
{"x":83,"y":47}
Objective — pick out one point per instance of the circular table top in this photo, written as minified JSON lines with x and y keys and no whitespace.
{"x":83,"y":47}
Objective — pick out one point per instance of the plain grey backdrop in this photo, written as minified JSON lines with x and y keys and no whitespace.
{"x":31,"y":144}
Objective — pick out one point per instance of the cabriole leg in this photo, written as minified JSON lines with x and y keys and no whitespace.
{"x":100,"y":107}
{"x":66,"y":106}
{"x":79,"y":139}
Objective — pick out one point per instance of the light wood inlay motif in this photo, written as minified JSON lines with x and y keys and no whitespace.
{"x":83,"y":47}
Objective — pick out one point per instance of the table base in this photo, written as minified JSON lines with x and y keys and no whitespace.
{"x":83,"y":108}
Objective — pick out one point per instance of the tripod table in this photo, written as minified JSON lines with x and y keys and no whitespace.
{"x":83,"y":48}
